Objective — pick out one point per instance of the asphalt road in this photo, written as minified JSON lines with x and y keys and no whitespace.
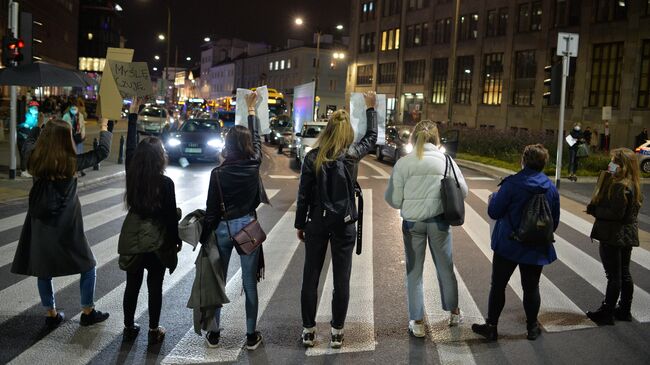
{"x":376,"y":329}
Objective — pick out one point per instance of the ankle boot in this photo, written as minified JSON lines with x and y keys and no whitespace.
{"x":489,"y":331}
{"x":533,"y":331}
{"x":622,"y":312}
{"x":603,"y":315}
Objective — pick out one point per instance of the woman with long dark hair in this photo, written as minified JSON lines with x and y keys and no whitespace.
{"x":53,"y":242}
{"x":616,"y":206}
{"x":149,"y":238}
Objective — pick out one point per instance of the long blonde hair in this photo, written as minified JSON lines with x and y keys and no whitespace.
{"x":424,"y":132}
{"x":335,"y":139}
{"x":628,"y":175}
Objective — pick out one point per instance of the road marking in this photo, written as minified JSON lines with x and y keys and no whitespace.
{"x":478,"y":178}
{"x":284,"y":177}
{"x":382,"y":174}
{"x":360,"y":320}
{"x":279,"y":249}
{"x":18,"y":219}
{"x":362,"y":177}
{"x":557,"y":312}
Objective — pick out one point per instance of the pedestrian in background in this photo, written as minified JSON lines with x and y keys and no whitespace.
{"x":506,"y":206}
{"x":81,"y":106}
{"x":238,"y":180}
{"x":414,"y":188}
{"x":577,"y":134}
{"x":615,"y":206}
{"x":587,"y":134}
{"x":52,"y":242}
{"x":24,"y":130}
{"x":316,"y":228}
{"x":78,"y":125}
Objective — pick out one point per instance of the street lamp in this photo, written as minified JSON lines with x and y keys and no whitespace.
{"x":188,"y":58}
{"x":206,"y":39}
{"x":156,"y":57}
{"x":161,"y":37}
{"x":298,"y":21}
{"x":155,"y":68}
{"x":339,"y":27}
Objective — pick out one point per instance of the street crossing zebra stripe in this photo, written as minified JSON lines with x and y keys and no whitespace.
{"x":17,"y":220}
{"x":382,"y":173}
{"x":360,"y":320}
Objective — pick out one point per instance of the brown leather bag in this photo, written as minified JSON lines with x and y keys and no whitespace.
{"x":249,"y":238}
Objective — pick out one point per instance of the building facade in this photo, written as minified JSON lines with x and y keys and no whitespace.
{"x":489,"y":70}
{"x":99,"y":28}
{"x":221,"y":79}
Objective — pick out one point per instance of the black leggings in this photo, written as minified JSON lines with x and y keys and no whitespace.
{"x":155,"y":275}
{"x":616,"y":261}
{"x":502,"y":270}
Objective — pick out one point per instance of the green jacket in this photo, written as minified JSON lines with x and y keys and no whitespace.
{"x":140,"y":236}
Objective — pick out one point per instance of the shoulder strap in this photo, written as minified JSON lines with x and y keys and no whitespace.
{"x":223,"y":203}
{"x":450,"y":164}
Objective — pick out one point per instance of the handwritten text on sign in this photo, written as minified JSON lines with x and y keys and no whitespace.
{"x":132,"y":79}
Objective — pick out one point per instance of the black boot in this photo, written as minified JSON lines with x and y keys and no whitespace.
{"x":533,"y":331}
{"x":603,"y":315}
{"x":622,"y":312}
{"x":489,"y":331}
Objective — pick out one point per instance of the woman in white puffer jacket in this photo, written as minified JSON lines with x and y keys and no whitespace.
{"x":414,"y":188}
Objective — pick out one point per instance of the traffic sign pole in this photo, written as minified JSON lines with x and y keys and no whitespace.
{"x":13,"y":28}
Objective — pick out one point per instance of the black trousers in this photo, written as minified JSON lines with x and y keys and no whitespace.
{"x":573,"y":161}
{"x":155,"y":275}
{"x":502,"y":270}
{"x":616,"y":261}
{"x":342,"y":238}
{"x":20,"y":142}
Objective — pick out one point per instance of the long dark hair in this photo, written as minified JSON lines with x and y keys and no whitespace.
{"x":144,"y":177}
{"x":239,"y":144}
{"x":54,"y":156}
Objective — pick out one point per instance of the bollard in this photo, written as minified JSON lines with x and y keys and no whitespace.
{"x":95,"y":145}
{"x":120,"y":156}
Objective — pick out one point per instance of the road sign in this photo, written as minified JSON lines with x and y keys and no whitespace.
{"x":567,"y":44}
{"x":607,"y":113}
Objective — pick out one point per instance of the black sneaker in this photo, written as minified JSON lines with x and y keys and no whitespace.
{"x":253,"y":340}
{"x":54,"y":322}
{"x":533,"y":331}
{"x":603,"y":316}
{"x":212,"y":338}
{"x":131,"y":332}
{"x":308,"y":338}
{"x":93,"y":317}
{"x":157,"y":335}
{"x":486,"y":330}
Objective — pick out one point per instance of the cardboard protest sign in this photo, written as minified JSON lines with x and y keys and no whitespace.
{"x":131,"y":78}
{"x":110,"y":99}
{"x":358,"y":117}
{"x":261,"y":109}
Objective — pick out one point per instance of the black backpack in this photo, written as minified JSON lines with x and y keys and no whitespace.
{"x":536,"y":225}
{"x":337,"y":190}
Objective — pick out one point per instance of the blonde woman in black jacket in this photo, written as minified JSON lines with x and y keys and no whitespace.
{"x":616,"y":206}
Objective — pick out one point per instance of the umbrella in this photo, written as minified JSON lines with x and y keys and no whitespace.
{"x":44,"y":74}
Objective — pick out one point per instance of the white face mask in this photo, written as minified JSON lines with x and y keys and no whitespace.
{"x":612,"y":168}
{"x":576,"y":128}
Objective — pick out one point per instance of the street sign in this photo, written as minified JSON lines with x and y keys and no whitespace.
{"x":567,"y":44}
{"x":607,"y":113}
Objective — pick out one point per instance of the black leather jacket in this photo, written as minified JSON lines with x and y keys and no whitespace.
{"x":240,"y":183}
{"x":308,"y":201}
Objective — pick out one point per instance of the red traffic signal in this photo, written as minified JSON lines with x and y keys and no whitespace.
{"x":20,"y":43}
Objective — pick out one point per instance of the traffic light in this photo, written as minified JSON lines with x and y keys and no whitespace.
{"x":12,"y":50}
{"x":553,"y":83}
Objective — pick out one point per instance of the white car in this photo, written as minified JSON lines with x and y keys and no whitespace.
{"x":153,"y":120}
{"x":306,"y":139}
{"x":643,"y":154}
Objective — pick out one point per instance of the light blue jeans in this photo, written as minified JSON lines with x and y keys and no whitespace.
{"x":248,"y":271}
{"x":86,"y":286}
{"x":438,"y":235}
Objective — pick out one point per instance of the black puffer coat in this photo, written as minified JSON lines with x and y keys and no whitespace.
{"x":616,"y":218}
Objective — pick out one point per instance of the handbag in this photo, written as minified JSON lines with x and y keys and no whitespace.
{"x":452,"y":196}
{"x":583,"y":150}
{"x":249,"y":238}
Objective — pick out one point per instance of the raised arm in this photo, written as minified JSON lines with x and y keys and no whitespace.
{"x":254,"y":125}
{"x":132,"y":132}
{"x":91,"y":158}
{"x":359,"y":150}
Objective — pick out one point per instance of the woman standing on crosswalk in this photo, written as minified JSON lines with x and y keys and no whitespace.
{"x":52,"y":242}
{"x":616,"y":207}
{"x":507,"y":207}
{"x":414,"y":188}
{"x":316,"y":227}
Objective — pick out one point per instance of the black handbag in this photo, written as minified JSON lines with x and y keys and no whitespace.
{"x":451,"y":193}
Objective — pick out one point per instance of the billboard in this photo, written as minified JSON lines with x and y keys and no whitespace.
{"x":303,"y":105}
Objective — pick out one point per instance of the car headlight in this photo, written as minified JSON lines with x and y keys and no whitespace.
{"x":278,"y":135}
{"x":443,"y":149}
{"x":216,"y":143}
{"x":408,"y":148}
{"x":173,"y":142}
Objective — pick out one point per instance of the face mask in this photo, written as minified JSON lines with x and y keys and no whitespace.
{"x":73,"y":111}
{"x":577,"y":128}
{"x":33,"y":111}
{"x":612,"y":168}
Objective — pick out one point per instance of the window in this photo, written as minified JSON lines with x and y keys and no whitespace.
{"x":536,"y":16}
{"x":289,"y":63}
{"x":367,"y":11}
{"x":270,"y":66}
{"x":468,"y":24}
{"x":392,"y":7}
{"x":497,"y":22}
{"x":282,"y":65}
{"x":492,"y":78}
{"x":606,"y":67}
{"x":523,"y":24}
{"x":367,"y":43}
{"x":418,"y":4}
{"x":390,"y":39}
{"x":439,"y":77}
{"x":442,"y":31}
{"x":566,"y":13}
{"x":414,"y":72}
{"x":464,"y":70}
{"x":647,"y":7}
{"x":643,"y":100}
{"x":332,"y":85}
{"x":364,"y":75}
{"x":524,"y":81}
{"x":387,"y":72}
{"x":611,"y":10}
{"x":502,"y":24}
{"x":417,"y":35}
{"x":492,"y":20}
{"x":530,"y":17}
{"x":277,"y":65}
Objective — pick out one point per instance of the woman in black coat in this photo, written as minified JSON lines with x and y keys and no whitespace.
{"x":578,"y":135}
{"x":52,"y":242}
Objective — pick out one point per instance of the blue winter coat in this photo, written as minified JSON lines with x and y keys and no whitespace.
{"x":506,"y":207}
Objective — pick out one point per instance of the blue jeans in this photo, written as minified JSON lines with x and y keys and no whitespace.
{"x":438,"y":235}
{"x":86,"y":286}
{"x":248,"y":270}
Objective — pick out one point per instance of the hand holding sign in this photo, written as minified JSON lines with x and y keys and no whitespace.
{"x":370,"y":98}
{"x":251,"y":101}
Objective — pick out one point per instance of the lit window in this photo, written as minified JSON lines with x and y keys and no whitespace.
{"x":90,"y":36}
{"x":289,"y":63}
{"x":277,"y":65}
{"x":282,"y":65}
{"x":270,"y":66}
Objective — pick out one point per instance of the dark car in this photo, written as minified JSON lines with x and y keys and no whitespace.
{"x":227,"y":117}
{"x":199,"y":139}
{"x":397,"y":143}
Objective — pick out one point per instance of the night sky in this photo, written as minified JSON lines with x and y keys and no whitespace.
{"x":252,"y":20}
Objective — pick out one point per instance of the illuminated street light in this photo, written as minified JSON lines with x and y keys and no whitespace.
{"x":298,"y":21}
{"x":156,"y":57}
{"x":188,"y":58}
{"x":118,"y":7}
{"x":206,"y":39}
{"x":161,"y":37}
{"x":155,"y":68}
{"x":339,"y":27}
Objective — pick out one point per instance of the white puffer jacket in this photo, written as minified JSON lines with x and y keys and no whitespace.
{"x":414,"y":186}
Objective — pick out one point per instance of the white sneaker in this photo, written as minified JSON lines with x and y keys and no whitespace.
{"x":25,"y":174}
{"x":337,"y":338}
{"x":416,"y":328}
{"x":308,"y":335}
{"x":455,"y":319}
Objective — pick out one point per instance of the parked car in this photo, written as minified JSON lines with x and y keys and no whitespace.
{"x":306,"y":139}
{"x":153,"y":120}
{"x":643,"y":154}
{"x":397,"y":144}
{"x":199,"y":139}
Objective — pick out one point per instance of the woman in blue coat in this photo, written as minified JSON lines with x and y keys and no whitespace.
{"x":506,"y":207}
